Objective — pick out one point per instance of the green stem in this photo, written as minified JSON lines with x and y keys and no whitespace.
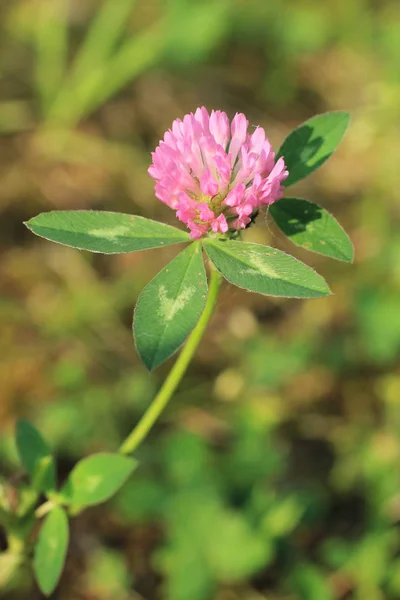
{"x":177,"y":372}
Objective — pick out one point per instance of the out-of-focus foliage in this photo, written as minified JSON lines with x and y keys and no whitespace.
{"x":275,"y":471}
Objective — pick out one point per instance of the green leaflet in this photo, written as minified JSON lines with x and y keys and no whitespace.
{"x":51,"y":550}
{"x":308,"y":146}
{"x":169,"y":306}
{"x":106,"y":232}
{"x":265,"y":270}
{"x":36,"y":456}
{"x":96,"y":478}
{"x":312,"y":227}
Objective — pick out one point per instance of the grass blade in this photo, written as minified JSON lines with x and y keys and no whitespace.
{"x":51,"y":44}
{"x":136,"y":54}
{"x":104,"y":32}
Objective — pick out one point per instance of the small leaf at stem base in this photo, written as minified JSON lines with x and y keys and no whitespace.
{"x":51,"y":550}
{"x":96,"y":478}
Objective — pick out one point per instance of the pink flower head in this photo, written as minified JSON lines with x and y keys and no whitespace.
{"x":215,"y":174}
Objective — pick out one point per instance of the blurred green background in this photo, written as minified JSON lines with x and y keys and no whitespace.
{"x":274,"y":473}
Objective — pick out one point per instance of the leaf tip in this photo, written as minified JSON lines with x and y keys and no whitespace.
{"x":327,"y":291}
{"x":150,"y":365}
{"x":29,"y":223}
{"x":20,"y":424}
{"x":346,"y":114}
{"x":352,"y":254}
{"x":348,"y":254}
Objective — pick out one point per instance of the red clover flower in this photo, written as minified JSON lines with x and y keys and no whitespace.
{"x":215,"y":174}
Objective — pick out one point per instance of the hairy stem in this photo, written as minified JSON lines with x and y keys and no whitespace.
{"x":177,"y":372}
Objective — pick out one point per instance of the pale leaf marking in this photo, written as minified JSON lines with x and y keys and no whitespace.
{"x":169,"y":307}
